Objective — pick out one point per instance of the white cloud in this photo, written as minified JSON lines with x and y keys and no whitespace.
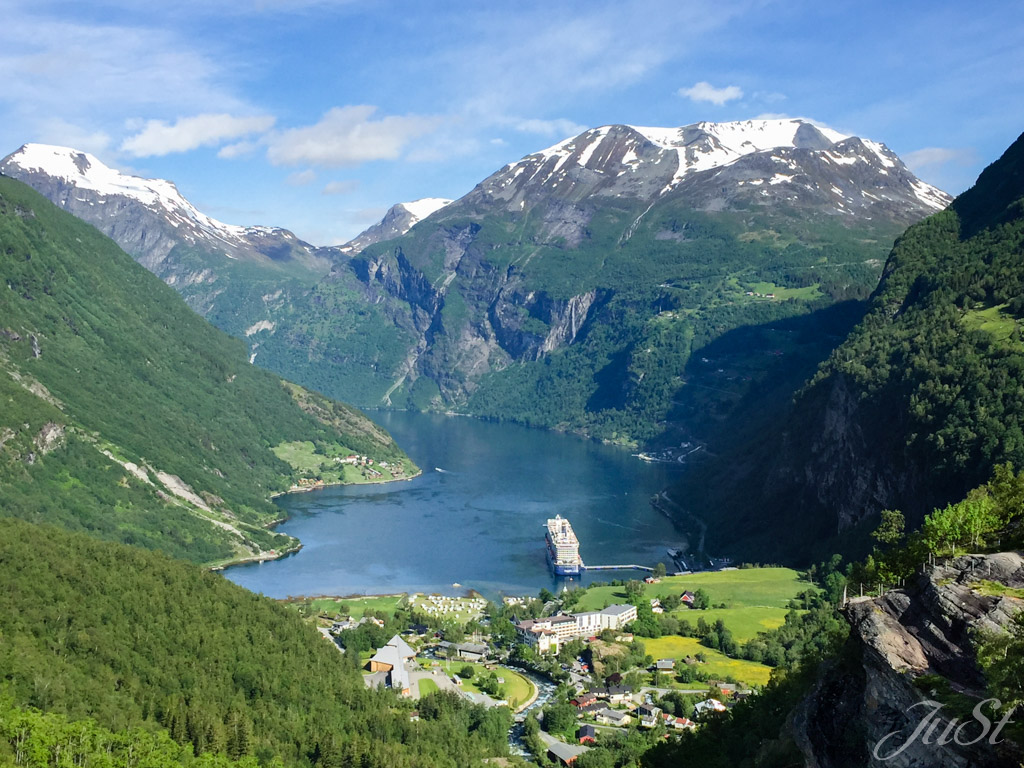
{"x":92,"y":74}
{"x":238,"y":149}
{"x":346,"y":136}
{"x":63,"y":133}
{"x":340,"y":187}
{"x":705,"y":91}
{"x":930,"y":157}
{"x":559,"y":127}
{"x":160,"y":138}
{"x":301,"y":178}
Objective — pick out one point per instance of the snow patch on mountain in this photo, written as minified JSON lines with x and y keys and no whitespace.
{"x":85,"y":172}
{"x":423,"y":207}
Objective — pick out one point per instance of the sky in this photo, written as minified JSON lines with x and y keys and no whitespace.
{"x":318,"y":115}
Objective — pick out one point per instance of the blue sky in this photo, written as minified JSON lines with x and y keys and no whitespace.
{"x":317,"y":115}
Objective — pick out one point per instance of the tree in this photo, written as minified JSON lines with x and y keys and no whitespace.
{"x":635,"y":592}
{"x":659,"y":571}
{"x":1001,"y":656}
{"x":890,"y":530}
{"x":701,"y":600}
{"x":466,"y":672}
{"x":559,"y":717}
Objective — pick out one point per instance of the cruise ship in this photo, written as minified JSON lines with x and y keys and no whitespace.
{"x":563,"y":547}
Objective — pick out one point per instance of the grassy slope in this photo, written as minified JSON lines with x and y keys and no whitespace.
{"x":764,"y":589}
{"x":123,"y":365}
{"x":716,"y":664}
{"x":757,"y":601}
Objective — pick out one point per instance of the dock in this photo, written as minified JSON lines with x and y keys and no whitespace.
{"x":617,"y":568}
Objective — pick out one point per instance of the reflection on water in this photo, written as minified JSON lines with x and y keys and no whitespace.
{"x":477,"y":520}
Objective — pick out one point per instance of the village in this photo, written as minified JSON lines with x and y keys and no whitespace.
{"x":577,"y":670}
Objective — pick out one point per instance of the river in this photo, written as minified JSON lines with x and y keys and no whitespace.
{"x":473,"y":518}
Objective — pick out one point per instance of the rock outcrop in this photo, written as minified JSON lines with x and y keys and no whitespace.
{"x":868,"y":707}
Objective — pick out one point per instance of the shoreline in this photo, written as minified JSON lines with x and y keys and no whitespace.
{"x":259,"y":557}
{"x":269,"y":555}
{"x":321,"y":486}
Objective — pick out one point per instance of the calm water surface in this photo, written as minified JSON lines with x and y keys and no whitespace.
{"x":474,"y":518}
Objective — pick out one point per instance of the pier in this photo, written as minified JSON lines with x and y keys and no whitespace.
{"x":617,"y":568}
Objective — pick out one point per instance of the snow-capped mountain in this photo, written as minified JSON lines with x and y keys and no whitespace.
{"x":149,"y":218}
{"x":715,"y":166}
{"x":399,"y":219}
{"x":553,"y":250}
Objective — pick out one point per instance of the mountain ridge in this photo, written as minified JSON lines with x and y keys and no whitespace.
{"x":129,"y":416}
{"x":478,"y":302}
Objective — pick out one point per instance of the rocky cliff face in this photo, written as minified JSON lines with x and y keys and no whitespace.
{"x":900,"y":645}
{"x":518,"y":268}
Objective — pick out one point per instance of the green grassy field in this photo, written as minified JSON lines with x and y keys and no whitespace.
{"x":347,"y":606}
{"x":756,"y":599}
{"x":469,"y":610}
{"x":744,"y":623}
{"x":742,"y":588}
{"x":303,"y":457}
{"x":517,"y":689}
{"x":718,"y":664}
{"x":807,"y":293}
{"x":993,"y":321}
{"x":426,"y":686}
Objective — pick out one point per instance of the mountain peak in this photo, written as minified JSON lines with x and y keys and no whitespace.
{"x":399,"y":219}
{"x":646,"y":163}
{"x":149,"y":218}
{"x":84,"y":172}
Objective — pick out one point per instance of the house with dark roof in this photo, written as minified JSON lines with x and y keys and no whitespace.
{"x":565,"y":754}
{"x":587,"y":734}
{"x":468,"y":651}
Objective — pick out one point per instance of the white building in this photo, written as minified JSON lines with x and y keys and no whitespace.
{"x":549,"y":633}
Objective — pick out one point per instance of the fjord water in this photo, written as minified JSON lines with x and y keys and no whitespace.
{"x":474,"y":518}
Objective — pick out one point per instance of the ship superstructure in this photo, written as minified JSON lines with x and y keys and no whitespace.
{"x":563,"y":547}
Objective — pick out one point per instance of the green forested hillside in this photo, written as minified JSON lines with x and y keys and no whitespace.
{"x":919,"y":403}
{"x":682,"y":279}
{"x":134,"y":639}
{"x":127,"y":415}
